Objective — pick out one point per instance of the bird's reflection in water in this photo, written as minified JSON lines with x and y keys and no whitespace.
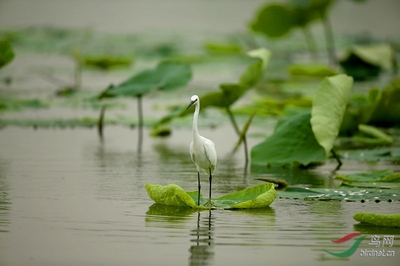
{"x":201,"y":250}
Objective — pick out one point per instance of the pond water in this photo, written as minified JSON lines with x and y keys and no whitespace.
{"x":67,"y":198}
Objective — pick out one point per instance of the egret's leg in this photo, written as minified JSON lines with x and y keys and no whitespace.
{"x":209,"y":197}
{"x":199,"y":187}
{"x":209,"y":202}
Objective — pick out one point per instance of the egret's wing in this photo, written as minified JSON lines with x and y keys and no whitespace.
{"x":211,"y":153}
{"x":191,"y":152}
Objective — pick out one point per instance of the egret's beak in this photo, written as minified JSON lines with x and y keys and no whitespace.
{"x":190,"y":104}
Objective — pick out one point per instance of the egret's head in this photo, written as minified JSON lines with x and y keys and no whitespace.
{"x":193,"y":100}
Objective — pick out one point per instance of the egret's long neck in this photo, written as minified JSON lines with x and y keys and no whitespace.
{"x":195,"y":116}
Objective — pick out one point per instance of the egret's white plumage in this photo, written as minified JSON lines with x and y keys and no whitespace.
{"x":202,"y":150}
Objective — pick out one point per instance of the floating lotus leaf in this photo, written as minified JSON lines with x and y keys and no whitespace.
{"x":376,"y":176}
{"x":388,"y":220}
{"x":259,"y":196}
{"x":342,"y":193}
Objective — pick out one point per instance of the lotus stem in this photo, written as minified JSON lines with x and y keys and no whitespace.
{"x":312,"y":47}
{"x":78,"y":74}
{"x":101,"y":121}
{"x":330,"y":43}
{"x":235,"y":126}
{"x":337,"y":159}
{"x":140,"y":112}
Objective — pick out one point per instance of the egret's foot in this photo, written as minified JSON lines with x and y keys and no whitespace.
{"x":209,"y":203}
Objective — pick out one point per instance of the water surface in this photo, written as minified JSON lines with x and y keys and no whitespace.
{"x":69,"y":199}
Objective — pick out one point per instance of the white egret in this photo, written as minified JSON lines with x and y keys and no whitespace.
{"x":202,"y":150}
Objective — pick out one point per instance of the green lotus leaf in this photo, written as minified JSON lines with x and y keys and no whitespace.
{"x":372,"y":155}
{"x":168,"y":75}
{"x":311,"y":70}
{"x":292,"y":142}
{"x":373,"y":136}
{"x":378,"y":219}
{"x":366,"y":61}
{"x":6,"y":53}
{"x":222,"y":48}
{"x":376,"y":176}
{"x":380,"y":55}
{"x":342,"y":193}
{"x":259,"y":196}
{"x":387,"y":108}
{"x":106,"y":62}
{"x":329,"y":106}
{"x":273,"y":20}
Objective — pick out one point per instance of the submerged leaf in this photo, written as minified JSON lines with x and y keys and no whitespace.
{"x":293,"y":141}
{"x":259,"y":196}
{"x":378,"y":219}
{"x":328,"y":109}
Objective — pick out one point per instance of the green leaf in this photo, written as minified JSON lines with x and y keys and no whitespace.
{"x":273,"y":20}
{"x":222,"y":48}
{"x":374,"y":136}
{"x":173,"y":75}
{"x":261,"y":53}
{"x":366,"y":61}
{"x":255,"y":72}
{"x":259,"y":196}
{"x":380,"y":55}
{"x":378,"y":219}
{"x":106,"y":62}
{"x":341,"y":193}
{"x":311,"y":70}
{"x":387,"y":110}
{"x":306,"y":11}
{"x":6,"y":53}
{"x":292,"y":142}
{"x":328,"y":109}
{"x":392,"y":154}
{"x":376,"y":176}
{"x":168,"y":75}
